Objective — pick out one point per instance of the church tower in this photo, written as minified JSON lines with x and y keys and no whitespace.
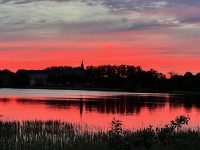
{"x":82,"y":65}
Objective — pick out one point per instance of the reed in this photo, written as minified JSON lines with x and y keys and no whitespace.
{"x":57,"y":135}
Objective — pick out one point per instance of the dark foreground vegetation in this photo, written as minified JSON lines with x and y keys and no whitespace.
{"x":56,"y":135}
{"x":121,"y":77}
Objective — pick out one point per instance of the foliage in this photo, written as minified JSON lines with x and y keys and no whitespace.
{"x":116,"y":134}
{"x":125,"y":77}
{"x":144,"y":137}
{"x":56,"y":135}
{"x":168,"y":130}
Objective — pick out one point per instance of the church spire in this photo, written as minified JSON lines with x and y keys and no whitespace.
{"x":82,"y":65}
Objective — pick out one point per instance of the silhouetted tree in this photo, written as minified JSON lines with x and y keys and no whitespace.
{"x":105,"y":76}
{"x":21,"y":79}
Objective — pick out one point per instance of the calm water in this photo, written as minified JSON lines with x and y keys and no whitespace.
{"x":97,"y":108}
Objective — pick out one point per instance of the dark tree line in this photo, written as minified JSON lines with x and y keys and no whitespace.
{"x":11,"y":79}
{"x":106,"y":76}
{"x":126,"y":77}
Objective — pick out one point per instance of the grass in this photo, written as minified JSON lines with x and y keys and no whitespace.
{"x":56,"y":135}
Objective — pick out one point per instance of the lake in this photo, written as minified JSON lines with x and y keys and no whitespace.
{"x":97,"y":108}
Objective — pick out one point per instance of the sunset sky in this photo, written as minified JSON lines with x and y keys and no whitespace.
{"x":159,"y":34}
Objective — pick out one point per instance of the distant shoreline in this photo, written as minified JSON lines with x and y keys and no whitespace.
{"x":111,"y":90}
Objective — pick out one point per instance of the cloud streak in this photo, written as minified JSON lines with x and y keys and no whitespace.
{"x":108,"y":15}
{"x":159,"y":29}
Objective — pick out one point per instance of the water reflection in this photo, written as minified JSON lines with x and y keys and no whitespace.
{"x":138,"y":110}
{"x":4,"y":100}
{"x":119,"y":105}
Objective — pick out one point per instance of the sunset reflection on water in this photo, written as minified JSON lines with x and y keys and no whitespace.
{"x":97,"y":109}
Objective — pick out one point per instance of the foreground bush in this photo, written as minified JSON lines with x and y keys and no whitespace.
{"x":56,"y":135}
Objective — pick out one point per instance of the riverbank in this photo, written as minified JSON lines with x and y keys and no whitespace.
{"x":56,"y":135}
